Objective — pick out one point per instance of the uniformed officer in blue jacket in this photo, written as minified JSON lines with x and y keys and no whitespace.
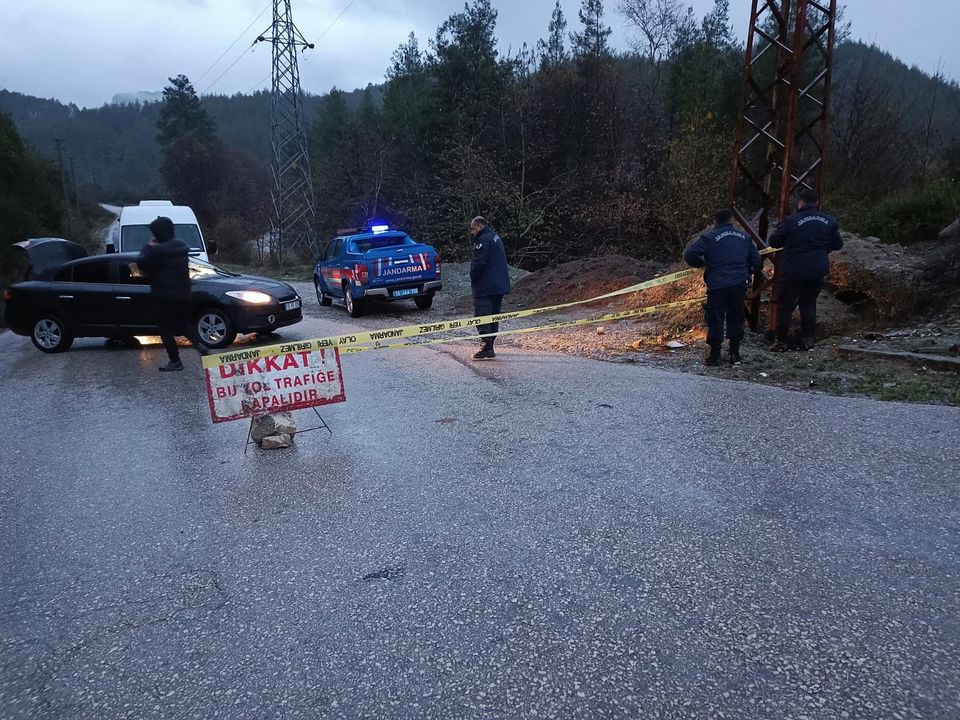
{"x":489,"y":280}
{"x":806,"y":238}
{"x":729,"y":259}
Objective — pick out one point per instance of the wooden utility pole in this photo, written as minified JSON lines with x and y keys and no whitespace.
{"x":63,"y":184}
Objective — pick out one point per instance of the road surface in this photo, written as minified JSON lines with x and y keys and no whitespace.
{"x":542,"y":536}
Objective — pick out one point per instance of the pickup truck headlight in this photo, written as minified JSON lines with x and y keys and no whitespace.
{"x":251,"y":297}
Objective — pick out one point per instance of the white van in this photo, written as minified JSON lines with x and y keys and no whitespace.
{"x":132,"y":230}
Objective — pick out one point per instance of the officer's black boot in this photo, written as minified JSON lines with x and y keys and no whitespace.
{"x":807,"y":342}
{"x":780,"y":345}
{"x":486,"y":352}
{"x":713,"y":357}
{"x":735,"y":358}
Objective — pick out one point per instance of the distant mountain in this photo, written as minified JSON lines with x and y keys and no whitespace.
{"x":116,"y":154}
{"x":924,"y":105}
{"x":114,"y":146}
{"x":144,"y":96}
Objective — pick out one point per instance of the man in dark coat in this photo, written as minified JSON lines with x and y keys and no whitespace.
{"x":165,"y":261}
{"x":807,"y":238}
{"x":489,"y":280}
{"x":729,"y":259}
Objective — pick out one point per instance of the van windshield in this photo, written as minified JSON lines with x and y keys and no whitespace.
{"x":134,"y":237}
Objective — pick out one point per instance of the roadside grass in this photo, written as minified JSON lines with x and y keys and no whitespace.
{"x":930,"y":387}
{"x":877,"y":379}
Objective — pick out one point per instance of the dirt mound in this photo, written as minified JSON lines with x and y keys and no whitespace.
{"x":881,"y":283}
{"x":871,"y":285}
{"x":940,"y":260}
{"x":951,"y":231}
{"x":580,"y":279}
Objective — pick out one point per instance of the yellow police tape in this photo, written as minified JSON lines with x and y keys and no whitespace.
{"x":348,"y":342}
{"x":558,"y":324}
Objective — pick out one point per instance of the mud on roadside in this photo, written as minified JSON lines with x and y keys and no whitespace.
{"x":863,"y":305}
{"x":675,"y":339}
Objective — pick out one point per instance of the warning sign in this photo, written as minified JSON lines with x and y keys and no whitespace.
{"x":255,"y":382}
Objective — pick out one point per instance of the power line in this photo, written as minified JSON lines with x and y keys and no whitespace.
{"x":245,"y":31}
{"x":330,"y":26}
{"x":315,"y":42}
{"x":258,"y":85}
{"x":229,"y":67}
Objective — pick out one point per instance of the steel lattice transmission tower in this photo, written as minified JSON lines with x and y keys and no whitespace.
{"x":781,"y":141}
{"x":293,"y":218}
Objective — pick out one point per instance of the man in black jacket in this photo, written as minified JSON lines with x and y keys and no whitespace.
{"x":489,"y":280}
{"x":729,"y":258}
{"x":165,"y":261}
{"x":807,"y":238}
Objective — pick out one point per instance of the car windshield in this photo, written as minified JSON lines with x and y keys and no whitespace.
{"x":385,"y":241}
{"x":200,"y":269}
{"x":134,"y":237}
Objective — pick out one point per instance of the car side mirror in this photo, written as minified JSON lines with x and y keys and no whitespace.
{"x":111,"y":248}
{"x":211,"y":248}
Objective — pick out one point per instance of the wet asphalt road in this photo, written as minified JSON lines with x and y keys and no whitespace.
{"x":542,"y":536}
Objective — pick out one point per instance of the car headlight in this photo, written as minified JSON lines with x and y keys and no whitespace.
{"x":253,"y":297}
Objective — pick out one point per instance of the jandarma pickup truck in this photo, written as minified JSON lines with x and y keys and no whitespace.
{"x":362,"y":264}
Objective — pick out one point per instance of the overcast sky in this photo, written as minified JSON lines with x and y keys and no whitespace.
{"x":85,"y":51}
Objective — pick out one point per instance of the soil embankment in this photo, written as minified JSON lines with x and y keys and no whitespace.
{"x":880,"y":296}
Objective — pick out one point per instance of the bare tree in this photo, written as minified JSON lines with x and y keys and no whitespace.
{"x":872,"y":147}
{"x":657,"y":24}
{"x":657,"y":21}
{"x":930,"y":130}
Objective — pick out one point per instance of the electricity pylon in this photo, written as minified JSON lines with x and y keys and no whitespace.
{"x":293,"y":217}
{"x":781,"y":139}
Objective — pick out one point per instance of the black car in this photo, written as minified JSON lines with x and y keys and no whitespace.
{"x":108,"y":296}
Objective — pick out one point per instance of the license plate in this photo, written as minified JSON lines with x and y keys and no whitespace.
{"x":403,"y":293}
{"x":291,"y":305}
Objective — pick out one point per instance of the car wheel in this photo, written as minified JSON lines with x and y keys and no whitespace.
{"x":321,"y":295}
{"x":424,"y":302}
{"x":215,"y":328}
{"x":51,"y":335}
{"x":354,"y":307}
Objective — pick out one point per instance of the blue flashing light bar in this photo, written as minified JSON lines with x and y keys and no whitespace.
{"x":379,"y":228}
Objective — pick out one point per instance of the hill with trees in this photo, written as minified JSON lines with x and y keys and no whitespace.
{"x":568,"y":147}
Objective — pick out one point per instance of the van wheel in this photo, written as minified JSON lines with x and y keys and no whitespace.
{"x":215,"y":328}
{"x":424,"y":302}
{"x":354,"y":307}
{"x":50,"y":335}
{"x":322,"y":297}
